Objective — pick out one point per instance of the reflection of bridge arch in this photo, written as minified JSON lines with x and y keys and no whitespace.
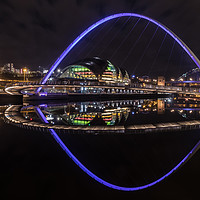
{"x":14,"y":109}
{"x":119,"y":15}
{"x":98,"y":179}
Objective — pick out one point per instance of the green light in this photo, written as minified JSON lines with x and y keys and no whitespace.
{"x":79,"y":122}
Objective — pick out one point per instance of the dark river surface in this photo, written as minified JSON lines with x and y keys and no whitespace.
{"x":160,"y":163}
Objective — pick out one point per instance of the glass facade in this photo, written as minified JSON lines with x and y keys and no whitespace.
{"x":78,"y":72}
{"x":126,"y":78}
{"x":96,"y":69}
{"x":110,"y":73}
{"x":81,"y":119}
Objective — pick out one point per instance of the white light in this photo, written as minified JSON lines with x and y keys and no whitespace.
{"x":45,"y":71}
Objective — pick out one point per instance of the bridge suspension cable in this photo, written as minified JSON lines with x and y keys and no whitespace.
{"x":147,"y":46}
{"x":92,"y":27}
{"x":125,"y":38}
{"x":102,"y":37}
{"x":114,"y":36}
{"x":155,"y":59}
{"x":132,"y":48}
{"x":170,"y":55}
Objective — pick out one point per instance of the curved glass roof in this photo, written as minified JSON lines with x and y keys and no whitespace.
{"x":94,"y":68}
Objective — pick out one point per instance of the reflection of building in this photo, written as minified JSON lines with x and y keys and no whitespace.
{"x":95,"y":70}
{"x":161,"y":81}
{"x":84,"y":113}
{"x":160,"y":106}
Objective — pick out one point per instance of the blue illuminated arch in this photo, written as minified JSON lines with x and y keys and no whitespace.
{"x":98,"y":179}
{"x":88,"y":30}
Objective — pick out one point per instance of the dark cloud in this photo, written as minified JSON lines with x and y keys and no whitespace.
{"x":7,"y":4}
{"x":41,"y":20}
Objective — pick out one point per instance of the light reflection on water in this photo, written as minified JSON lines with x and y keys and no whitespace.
{"x":124,"y":162}
{"x":111,"y":113}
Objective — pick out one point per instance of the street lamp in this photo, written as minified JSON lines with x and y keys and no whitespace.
{"x":24,"y":70}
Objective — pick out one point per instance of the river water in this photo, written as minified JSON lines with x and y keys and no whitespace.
{"x":160,"y":163}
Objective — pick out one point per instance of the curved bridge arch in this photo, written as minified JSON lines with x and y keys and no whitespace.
{"x":119,"y":15}
{"x":102,"y":181}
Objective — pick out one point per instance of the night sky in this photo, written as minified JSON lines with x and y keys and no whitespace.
{"x":35,"y":32}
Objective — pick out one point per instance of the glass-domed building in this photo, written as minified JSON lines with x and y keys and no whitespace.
{"x":95,"y":70}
